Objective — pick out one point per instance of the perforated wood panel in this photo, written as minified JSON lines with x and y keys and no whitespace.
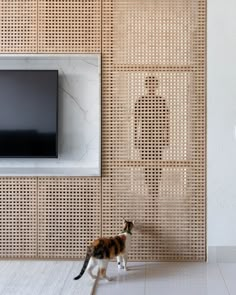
{"x":154,"y":125}
{"x":18,"y":26}
{"x":18,"y":222}
{"x":69,"y":26}
{"x":69,"y":211}
{"x":153,"y":130}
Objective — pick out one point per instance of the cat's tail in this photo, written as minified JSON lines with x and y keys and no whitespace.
{"x":86,"y":261}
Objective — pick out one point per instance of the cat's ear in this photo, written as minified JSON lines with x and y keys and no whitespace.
{"x":133,"y":221}
{"x":124,"y":220}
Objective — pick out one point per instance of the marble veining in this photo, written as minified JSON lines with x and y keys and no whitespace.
{"x":79,"y":116}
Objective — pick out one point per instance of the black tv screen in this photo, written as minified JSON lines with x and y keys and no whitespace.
{"x":28,"y":113}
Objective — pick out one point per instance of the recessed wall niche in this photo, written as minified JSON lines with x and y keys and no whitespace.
{"x":79,"y":116}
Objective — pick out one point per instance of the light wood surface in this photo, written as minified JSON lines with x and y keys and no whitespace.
{"x":69,"y":215}
{"x":154,"y":125}
{"x":153,"y":141}
{"x":18,"y":26}
{"x":69,"y":26}
{"x":18,"y":217}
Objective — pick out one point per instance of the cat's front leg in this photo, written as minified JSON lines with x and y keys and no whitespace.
{"x":125,"y":260}
{"x":119,"y":262}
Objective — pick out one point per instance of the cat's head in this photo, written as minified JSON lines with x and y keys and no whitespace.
{"x":128,"y":225}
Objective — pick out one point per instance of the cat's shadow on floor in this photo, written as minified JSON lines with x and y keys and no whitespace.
{"x":141,"y":271}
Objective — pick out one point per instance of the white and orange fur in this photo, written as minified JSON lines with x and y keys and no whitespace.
{"x":102,"y":250}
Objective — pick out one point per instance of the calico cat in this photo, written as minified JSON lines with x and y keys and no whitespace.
{"x":103,"y":249}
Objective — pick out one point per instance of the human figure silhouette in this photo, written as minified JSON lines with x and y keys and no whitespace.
{"x":152,"y":124}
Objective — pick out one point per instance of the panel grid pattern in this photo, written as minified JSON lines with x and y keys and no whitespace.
{"x":154,"y":125}
{"x":153,"y":130}
{"x":18,"y":222}
{"x":68,"y":215}
{"x":69,"y":26}
{"x":18,"y":26}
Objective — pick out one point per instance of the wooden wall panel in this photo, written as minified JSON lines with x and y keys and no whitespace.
{"x":153,"y":130}
{"x":154,"y":125}
{"x":69,"y":212}
{"x":18,"y":221}
{"x":18,"y":26}
{"x":69,"y":26}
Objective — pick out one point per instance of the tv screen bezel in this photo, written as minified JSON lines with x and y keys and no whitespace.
{"x":57,"y":110}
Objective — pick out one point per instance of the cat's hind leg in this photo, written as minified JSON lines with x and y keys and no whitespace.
{"x":119,"y":262}
{"x":90,"y":267}
{"x":103,"y":269}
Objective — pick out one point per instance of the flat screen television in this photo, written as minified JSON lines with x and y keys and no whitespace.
{"x":28,"y":113}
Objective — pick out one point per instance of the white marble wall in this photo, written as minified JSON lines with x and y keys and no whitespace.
{"x":79,"y":116}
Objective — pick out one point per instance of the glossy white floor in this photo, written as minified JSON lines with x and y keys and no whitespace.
{"x":171,"y":278}
{"x":56,"y":278}
{"x":43,"y":278}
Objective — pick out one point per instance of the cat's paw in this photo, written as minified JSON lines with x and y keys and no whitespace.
{"x":92,"y":276}
{"x":108,"y":279}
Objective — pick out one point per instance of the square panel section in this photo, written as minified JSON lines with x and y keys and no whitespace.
{"x":152,"y":116}
{"x":69,"y":26}
{"x":18,"y":218}
{"x":18,"y":26}
{"x":151,"y":32}
{"x":69,"y":211}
